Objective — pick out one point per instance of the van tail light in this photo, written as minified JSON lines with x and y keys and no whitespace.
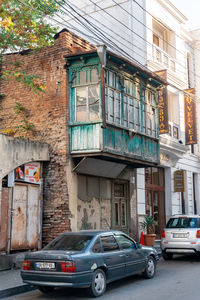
{"x":26,"y":265}
{"x":163,"y":233}
{"x":198,"y":234}
{"x":68,"y":267}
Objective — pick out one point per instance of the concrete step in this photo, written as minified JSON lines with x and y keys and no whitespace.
{"x":4,"y":262}
{"x":11,"y":261}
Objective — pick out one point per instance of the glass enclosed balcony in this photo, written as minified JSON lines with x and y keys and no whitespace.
{"x":113,"y":109}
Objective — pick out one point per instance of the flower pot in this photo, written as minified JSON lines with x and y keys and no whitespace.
{"x":149,"y":239}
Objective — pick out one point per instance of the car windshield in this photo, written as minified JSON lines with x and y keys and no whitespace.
{"x":69,"y":243}
{"x":183,"y":223}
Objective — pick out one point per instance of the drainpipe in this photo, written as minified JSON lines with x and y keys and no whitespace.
{"x":10,"y":211}
{"x":101,"y":51}
{"x":10,"y":216}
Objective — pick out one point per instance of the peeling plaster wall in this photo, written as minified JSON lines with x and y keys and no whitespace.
{"x":94,"y":214}
{"x":94,"y":203}
{"x":72,"y":180}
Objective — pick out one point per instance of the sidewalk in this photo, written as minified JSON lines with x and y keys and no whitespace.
{"x":11,"y":283}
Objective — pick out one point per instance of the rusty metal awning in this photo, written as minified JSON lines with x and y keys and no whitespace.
{"x":98,"y":167}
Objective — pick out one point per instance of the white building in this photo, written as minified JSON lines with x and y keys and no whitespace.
{"x":153,"y":33}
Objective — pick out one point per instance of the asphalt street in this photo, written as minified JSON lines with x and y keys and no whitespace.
{"x":175,"y":280}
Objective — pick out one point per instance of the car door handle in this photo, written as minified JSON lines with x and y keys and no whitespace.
{"x":108,"y":258}
{"x":122,"y":255}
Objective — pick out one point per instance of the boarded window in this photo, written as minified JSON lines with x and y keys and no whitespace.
{"x":93,"y":187}
{"x":82,"y":188}
{"x":105,"y":188}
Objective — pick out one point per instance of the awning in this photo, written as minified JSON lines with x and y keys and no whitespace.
{"x":98,"y":167}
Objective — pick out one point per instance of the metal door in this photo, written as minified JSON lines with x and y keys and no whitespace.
{"x":25,"y":217}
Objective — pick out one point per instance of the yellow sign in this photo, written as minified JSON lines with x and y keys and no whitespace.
{"x":179,"y":181}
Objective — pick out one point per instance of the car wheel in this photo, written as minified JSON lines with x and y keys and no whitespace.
{"x":167,"y":256}
{"x":98,"y":285}
{"x":46,"y":289}
{"x":150,"y":268}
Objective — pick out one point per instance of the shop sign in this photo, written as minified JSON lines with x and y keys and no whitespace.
{"x":179,"y":181}
{"x":28,"y":173}
{"x":162,"y":74}
{"x":163,"y":105}
{"x":163,"y":110}
{"x":190,"y":117}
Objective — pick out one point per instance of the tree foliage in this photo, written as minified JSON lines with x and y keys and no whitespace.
{"x":23,"y":24}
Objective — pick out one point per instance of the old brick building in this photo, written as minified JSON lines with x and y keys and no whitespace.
{"x":99,"y":115}
{"x":49,"y":114}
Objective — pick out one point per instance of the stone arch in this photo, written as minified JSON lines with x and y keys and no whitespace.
{"x":15,"y":152}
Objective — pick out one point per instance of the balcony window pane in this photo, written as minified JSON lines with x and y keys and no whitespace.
{"x":82,"y":75}
{"x":117,"y":107}
{"x":110,"y":105}
{"x":125,"y":111}
{"x":131,"y":112}
{"x":118,"y":82}
{"x":111,"y":78}
{"x":94,"y":76}
{"x":93,"y":101}
{"x":81,"y":104}
{"x":153,"y":122}
{"x":137,"y":115}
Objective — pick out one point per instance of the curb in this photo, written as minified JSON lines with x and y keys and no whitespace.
{"x":16,"y":290}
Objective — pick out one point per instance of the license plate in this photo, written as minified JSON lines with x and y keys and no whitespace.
{"x":180,"y":235}
{"x":45,"y":265}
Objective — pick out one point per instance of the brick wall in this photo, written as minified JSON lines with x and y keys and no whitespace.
{"x":49,"y":113}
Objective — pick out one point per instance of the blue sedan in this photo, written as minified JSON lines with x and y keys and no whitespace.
{"x":88,"y":259}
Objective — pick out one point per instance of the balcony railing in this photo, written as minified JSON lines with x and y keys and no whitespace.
{"x":163,"y":58}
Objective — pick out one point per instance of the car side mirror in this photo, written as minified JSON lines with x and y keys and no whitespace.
{"x":138,"y":245}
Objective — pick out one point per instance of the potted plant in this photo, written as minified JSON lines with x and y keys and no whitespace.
{"x":148,"y":225}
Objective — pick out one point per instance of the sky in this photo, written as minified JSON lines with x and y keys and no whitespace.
{"x":191,"y":9}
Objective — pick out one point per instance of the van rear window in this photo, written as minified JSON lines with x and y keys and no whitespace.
{"x":183,"y":223}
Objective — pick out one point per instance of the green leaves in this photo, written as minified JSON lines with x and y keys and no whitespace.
{"x":148,"y":224}
{"x":23,"y":24}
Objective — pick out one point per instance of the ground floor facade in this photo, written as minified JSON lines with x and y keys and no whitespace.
{"x":99,"y":202}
